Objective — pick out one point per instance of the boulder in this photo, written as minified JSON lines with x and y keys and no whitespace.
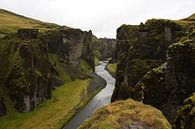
{"x":127,"y":114}
{"x":28,"y":33}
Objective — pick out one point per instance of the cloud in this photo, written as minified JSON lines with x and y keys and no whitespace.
{"x":103,"y":17}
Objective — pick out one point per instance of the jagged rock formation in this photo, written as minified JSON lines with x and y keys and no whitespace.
{"x":185,"y":118}
{"x":71,"y":45}
{"x":106,"y":48}
{"x":2,"y":107}
{"x":141,"y":48}
{"x":127,"y":114}
{"x":174,"y":79}
{"x":152,"y":68}
{"x":27,"y":73}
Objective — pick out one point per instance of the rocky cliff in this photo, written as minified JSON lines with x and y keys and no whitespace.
{"x":33,"y":63}
{"x":127,"y":114}
{"x":155,"y":63}
{"x":106,"y":48}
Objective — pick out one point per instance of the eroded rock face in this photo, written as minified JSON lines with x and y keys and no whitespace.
{"x":106,"y":48}
{"x":141,"y":48}
{"x":152,"y":68}
{"x":127,"y":114}
{"x":27,"y":72}
{"x":27,"y":33}
{"x":71,"y":45}
{"x":185,"y":117}
{"x":167,"y":86}
{"x":3,"y":109}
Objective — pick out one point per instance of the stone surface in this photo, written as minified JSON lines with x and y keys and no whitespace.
{"x":106,"y":48}
{"x":3,"y":109}
{"x":127,"y":114}
{"x":28,"y":33}
{"x":185,"y":117}
{"x":141,"y":48}
{"x":155,"y":64}
{"x":28,"y":73}
{"x":166,"y":87}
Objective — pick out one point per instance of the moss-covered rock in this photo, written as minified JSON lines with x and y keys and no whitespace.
{"x":33,"y":63}
{"x":106,"y":48}
{"x":166,"y":87}
{"x":142,"y":48}
{"x":156,"y":64}
{"x":3,"y":109}
{"x":26,"y":74}
{"x":127,"y":114}
{"x":185,"y":118}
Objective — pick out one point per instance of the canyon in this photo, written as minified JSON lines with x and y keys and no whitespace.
{"x":54,"y":76}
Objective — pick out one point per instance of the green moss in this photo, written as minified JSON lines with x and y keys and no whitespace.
{"x":185,"y":114}
{"x":127,"y":113}
{"x":61,"y":70}
{"x":11,"y":22}
{"x":85,"y":66}
{"x":97,"y":57}
{"x":112,"y":67}
{"x":62,"y":106}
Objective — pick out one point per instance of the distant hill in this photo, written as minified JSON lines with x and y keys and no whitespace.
{"x":11,"y":22}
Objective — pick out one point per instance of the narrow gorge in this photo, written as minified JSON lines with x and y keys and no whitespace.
{"x":60,"y":77}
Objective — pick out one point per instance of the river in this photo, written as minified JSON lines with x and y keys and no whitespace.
{"x":99,"y":100}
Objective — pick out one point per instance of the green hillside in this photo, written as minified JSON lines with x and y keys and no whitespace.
{"x":11,"y":22}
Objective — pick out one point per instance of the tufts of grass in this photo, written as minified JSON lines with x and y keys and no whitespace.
{"x":128,"y":113}
{"x":11,"y":22}
{"x":53,"y":113}
{"x":112,"y":67}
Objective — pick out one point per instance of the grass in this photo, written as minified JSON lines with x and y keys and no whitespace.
{"x":97,"y":60}
{"x":53,"y":113}
{"x":128,"y":113}
{"x":11,"y":22}
{"x":63,"y":75}
{"x":112,"y":67}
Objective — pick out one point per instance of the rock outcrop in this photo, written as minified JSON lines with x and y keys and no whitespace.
{"x":25,"y":72}
{"x":32,"y":63}
{"x":106,"y":48}
{"x":127,"y":114}
{"x":166,"y":86}
{"x":156,"y":64}
{"x":185,"y":118}
{"x":71,"y":45}
{"x":141,"y":48}
{"x":2,"y":107}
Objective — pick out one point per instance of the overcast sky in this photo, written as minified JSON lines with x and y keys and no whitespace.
{"x":103,"y":17}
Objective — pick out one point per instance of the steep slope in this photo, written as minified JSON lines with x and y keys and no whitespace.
{"x":35,"y":57}
{"x":156,"y":63}
{"x":11,"y":22}
{"x":105,"y":47}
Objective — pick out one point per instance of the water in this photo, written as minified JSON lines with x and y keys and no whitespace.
{"x":101,"y":99}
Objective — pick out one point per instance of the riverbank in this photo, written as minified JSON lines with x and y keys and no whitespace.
{"x":111,"y":68}
{"x":102,"y":98}
{"x":52,"y":114}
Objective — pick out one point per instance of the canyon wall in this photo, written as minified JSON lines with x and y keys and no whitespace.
{"x":106,"y":48}
{"x":156,"y":63}
{"x":32,"y":64}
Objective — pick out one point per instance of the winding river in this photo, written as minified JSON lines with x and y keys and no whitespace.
{"x":101,"y":99}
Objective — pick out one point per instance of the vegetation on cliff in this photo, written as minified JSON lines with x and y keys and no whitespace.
{"x":53,"y":113}
{"x":156,"y":64}
{"x":127,"y":114}
{"x":111,"y":67}
{"x":45,"y":71}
